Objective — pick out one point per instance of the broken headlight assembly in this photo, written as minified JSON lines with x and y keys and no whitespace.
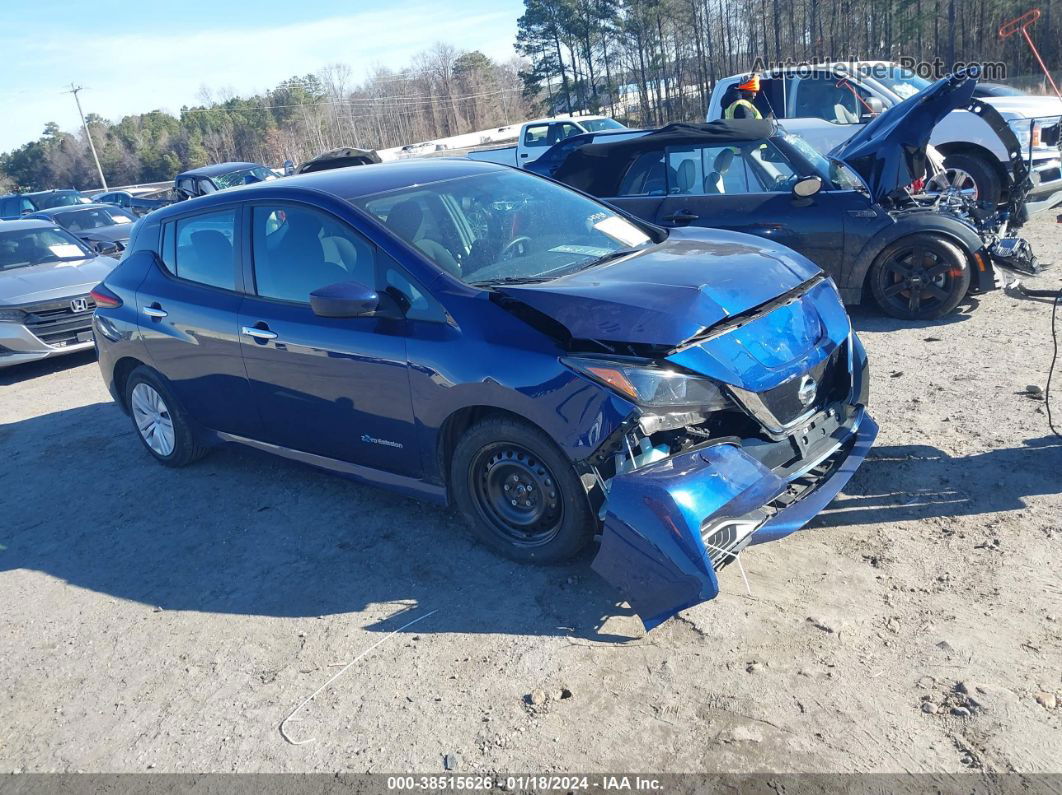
{"x":669,"y":399}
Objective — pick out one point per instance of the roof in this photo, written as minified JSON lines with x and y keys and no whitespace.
{"x":219,"y":168}
{"x":596,"y":167}
{"x":339,"y":158}
{"x":73,"y":208}
{"x":25,"y":223}
{"x":40,"y":192}
{"x":344,"y":183}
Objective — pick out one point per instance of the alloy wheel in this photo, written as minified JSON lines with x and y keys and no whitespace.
{"x":917,"y":279}
{"x":153,"y":419}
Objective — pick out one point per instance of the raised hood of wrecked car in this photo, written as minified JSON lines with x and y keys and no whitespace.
{"x":890,"y":152}
{"x":668,"y":293}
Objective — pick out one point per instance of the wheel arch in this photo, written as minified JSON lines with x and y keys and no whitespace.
{"x":123,"y":368}
{"x":951,"y":229}
{"x":459,"y":421}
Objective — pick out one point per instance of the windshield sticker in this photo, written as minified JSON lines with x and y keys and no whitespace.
{"x":66,"y":250}
{"x":588,"y":251}
{"x":621,"y":231}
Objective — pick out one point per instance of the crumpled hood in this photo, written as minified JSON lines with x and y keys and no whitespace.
{"x":668,"y":293}
{"x":53,"y":280}
{"x":890,"y":152}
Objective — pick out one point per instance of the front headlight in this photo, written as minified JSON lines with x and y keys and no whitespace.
{"x":12,"y":315}
{"x":671,"y":399}
{"x":1030,"y":132}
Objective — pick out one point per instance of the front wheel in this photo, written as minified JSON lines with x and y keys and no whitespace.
{"x":973,"y":176}
{"x":520,"y":494}
{"x":920,"y":277}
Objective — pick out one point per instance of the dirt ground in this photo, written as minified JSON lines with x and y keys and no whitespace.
{"x":169,"y":620}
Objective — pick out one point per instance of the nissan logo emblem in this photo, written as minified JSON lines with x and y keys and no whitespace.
{"x":79,"y":304}
{"x":806,"y":393}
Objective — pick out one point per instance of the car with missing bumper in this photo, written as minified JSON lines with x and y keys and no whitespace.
{"x":470,"y":333}
{"x":864,"y":214}
{"x":46,"y":275}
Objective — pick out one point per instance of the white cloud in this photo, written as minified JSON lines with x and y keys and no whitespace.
{"x":126,"y":73}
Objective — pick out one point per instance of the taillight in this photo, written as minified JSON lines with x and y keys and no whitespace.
{"x":104,"y":298}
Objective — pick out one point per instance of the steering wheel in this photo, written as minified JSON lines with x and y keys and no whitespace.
{"x":517,"y":247}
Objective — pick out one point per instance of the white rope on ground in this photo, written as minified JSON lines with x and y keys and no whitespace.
{"x":318,"y":691}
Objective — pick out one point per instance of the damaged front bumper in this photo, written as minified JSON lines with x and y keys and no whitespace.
{"x":671,"y":525}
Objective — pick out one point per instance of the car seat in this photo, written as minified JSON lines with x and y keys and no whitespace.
{"x":713,"y":183}
{"x":298,"y":266}
{"x":406,"y":220}
{"x":686,"y":177}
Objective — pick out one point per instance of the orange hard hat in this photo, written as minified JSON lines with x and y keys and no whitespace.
{"x":751,"y":83}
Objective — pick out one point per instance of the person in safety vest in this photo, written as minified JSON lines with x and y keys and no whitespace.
{"x":742,"y":107}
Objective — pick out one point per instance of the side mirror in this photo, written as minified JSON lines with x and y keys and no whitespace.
{"x":874,"y":107}
{"x":807,"y":187}
{"x":104,"y":248}
{"x":345,"y":299}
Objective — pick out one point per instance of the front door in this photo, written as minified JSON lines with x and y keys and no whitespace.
{"x":744,"y":187}
{"x":335,"y":387}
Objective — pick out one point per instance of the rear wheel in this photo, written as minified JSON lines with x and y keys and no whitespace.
{"x":161,"y":424}
{"x":920,"y":277}
{"x":519,"y":492}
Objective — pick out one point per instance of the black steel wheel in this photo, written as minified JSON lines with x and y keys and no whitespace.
{"x":516,"y":494}
{"x":519,"y":492}
{"x":920,"y":277}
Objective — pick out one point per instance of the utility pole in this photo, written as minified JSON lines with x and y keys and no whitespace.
{"x":73,"y":90}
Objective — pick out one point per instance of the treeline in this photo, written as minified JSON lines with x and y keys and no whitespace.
{"x":656,"y":60}
{"x":443,"y":92}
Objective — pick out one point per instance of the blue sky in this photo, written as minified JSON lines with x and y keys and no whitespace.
{"x":135,"y":57}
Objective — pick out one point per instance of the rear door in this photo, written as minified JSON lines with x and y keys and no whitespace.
{"x":187,"y":306}
{"x":335,"y":387}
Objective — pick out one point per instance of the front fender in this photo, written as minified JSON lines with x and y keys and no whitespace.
{"x":917,"y":221}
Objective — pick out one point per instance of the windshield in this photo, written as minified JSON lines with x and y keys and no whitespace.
{"x":96,"y":218}
{"x":505,"y":227}
{"x":597,"y":125}
{"x":21,"y":248}
{"x":842,"y":177}
{"x":902,"y":82}
{"x":48,"y":200}
{"x":246,"y":176}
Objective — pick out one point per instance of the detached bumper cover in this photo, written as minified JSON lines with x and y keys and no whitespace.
{"x":652,"y":546}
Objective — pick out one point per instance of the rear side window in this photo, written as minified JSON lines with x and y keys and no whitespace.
{"x":646,"y":176}
{"x":200,"y":249}
{"x":536,"y":134}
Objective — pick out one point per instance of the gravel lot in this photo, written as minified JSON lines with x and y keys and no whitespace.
{"x":169,"y":620}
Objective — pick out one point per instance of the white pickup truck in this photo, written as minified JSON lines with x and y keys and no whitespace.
{"x":827,"y":102}
{"x":539,"y":135}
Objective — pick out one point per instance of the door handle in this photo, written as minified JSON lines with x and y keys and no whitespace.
{"x":259,"y":333}
{"x":681,"y":217}
{"x":155,"y":311}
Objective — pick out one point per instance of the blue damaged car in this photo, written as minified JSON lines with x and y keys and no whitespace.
{"x":470,"y":333}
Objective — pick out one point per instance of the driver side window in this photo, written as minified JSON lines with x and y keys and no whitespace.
{"x":829,"y":97}
{"x":297,"y":250}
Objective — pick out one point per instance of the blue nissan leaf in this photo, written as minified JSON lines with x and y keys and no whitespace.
{"x":469,"y":333}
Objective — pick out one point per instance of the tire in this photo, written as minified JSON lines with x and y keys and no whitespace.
{"x":920,"y":277}
{"x":986,"y":181}
{"x":495,"y":458}
{"x":160,"y":422}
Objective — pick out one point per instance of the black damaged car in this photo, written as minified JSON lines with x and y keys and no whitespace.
{"x":861,"y":214}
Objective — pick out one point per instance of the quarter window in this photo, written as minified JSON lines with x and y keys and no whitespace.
{"x":297,"y":250}
{"x":204,"y":249}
